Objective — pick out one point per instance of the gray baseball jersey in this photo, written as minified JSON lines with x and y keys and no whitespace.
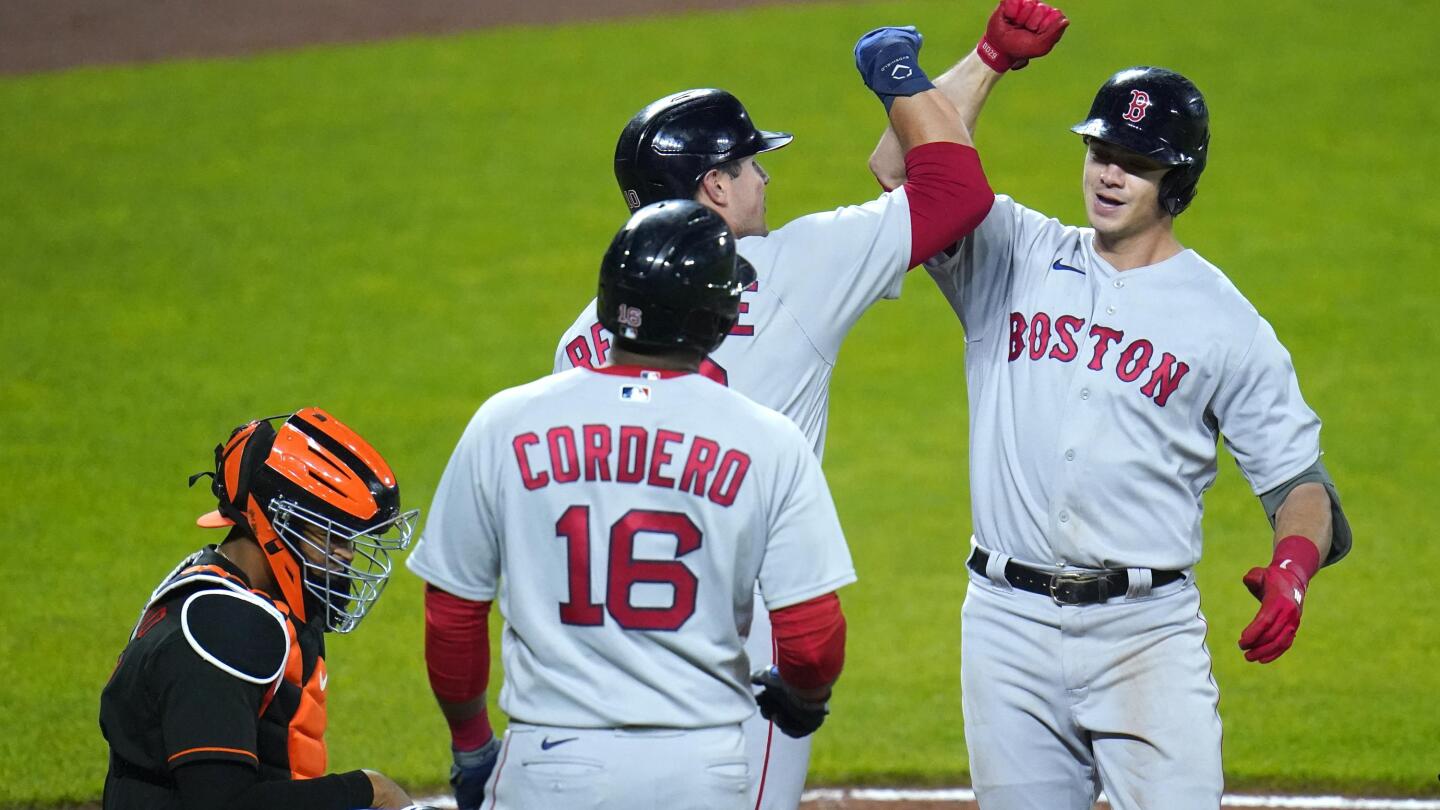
{"x":1097,"y":396}
{"x":629,"y":515}
{"x":814,"y":278}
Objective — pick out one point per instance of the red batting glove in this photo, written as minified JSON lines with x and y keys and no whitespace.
{"x":1018,"y":31}
{"x":1281,"y":591}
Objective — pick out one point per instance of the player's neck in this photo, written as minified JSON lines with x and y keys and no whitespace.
{"x":1127,"y":251}
{"x":245,"y":553}
{"x":674,"y":361}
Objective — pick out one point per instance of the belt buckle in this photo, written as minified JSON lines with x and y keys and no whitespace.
{"x":1065,"y":587}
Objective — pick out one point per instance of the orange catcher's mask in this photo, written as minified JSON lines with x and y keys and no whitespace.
{"x":323,"y":505}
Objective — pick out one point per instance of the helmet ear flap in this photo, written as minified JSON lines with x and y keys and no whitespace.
{"x":256,"y":447}
{"x":1178,"y":187}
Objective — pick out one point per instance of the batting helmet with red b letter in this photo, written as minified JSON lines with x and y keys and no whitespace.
{"x":1159,"y":114}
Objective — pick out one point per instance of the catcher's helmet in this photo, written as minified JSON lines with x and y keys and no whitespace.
{"x":668,"y":146}
{"x":1159,"y":114}
{"x":671,"y":279}
{"x":323,"y":506}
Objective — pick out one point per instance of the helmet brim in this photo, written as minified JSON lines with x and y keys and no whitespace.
{"x":770,"y":141}
{"x":1132,"y":139}
{"x":213,"y":520}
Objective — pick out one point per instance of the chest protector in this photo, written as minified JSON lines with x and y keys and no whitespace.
{"x":291,"y":727}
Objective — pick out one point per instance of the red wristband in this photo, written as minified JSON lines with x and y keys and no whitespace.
{"x":992,"y":56}
{"x":472,"y":732}
{"x":1298,"y":555}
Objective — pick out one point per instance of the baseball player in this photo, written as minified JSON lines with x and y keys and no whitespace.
{"x":1103,"y":364}
{"x":218,"y":700}
{"x":815,"y":276}
{"x":622,"y":515}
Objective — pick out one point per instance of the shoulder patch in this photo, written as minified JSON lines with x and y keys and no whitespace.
{"x":238,"y":632}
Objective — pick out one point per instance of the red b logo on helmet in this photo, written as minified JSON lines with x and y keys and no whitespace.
{"x":1139,"y":102}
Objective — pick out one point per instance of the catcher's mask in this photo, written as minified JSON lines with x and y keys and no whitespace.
{"x":323,"y":505}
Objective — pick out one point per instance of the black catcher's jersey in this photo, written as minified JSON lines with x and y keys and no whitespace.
{"x":213,"y":671}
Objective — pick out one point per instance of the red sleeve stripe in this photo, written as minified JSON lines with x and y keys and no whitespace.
{"x":214,"y":750}
{"x":810,"y":638}
{"x":457,"y":659}
{"x":457,"y":645}
{"x":948,"y":195}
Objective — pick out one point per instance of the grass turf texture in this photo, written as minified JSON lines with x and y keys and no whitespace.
{"x":397,"y":231}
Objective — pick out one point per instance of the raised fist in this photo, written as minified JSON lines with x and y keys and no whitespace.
{"x":1018,"y":31}
{"x":889,"y":61}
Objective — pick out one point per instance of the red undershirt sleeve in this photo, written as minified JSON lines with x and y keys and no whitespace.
{"x":810,"y":638}
{"x":948,"y":195}
{"x":457,"y":659}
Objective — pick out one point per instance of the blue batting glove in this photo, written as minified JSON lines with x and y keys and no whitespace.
{"x":470,"y":773}
{"x":889,"y":61}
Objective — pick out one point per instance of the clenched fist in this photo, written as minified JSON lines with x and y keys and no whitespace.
{"x":1018,"y":31}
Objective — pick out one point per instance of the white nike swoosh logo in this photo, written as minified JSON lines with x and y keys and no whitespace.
{"x":1284,"y":564}
{"x":324,"y":679}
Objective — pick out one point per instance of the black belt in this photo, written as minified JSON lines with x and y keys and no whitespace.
{"x":1071,"y":588}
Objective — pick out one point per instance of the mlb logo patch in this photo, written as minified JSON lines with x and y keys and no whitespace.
{"x":635,"y":393}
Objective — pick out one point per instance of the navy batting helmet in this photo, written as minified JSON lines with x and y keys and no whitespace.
{"x":1159,"y":114}
{"x":671,"y":279}
{"x":668,"y":146}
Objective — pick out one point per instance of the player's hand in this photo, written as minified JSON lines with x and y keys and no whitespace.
{"x":388,"y":795}
{"x":471,"y":771}
{"x":779,"y":704}
{"x":1281,"y":593}
{"x":889,"y":61}
{"x":1018,"y":31}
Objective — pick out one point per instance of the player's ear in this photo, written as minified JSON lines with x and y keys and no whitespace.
{"x":714,"y":188}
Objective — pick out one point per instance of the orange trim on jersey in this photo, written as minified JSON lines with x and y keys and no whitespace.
{"x":217,"y":749}
{"x":637,"y":371}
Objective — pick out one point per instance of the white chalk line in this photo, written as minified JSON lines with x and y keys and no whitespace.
{"x":961,"y":795}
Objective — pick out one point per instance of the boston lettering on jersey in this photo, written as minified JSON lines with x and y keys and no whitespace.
{"x":631,"y":455}
{"x":1060,"y":339}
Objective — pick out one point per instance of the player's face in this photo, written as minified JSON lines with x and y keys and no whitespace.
{"x":339,"y":551}
{"x":748,"y":205}
{"x":1122,"y":192}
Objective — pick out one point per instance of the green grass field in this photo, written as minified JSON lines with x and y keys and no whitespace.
{"x":397,"y":231}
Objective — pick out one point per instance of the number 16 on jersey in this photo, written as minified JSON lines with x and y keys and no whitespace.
{"x":623,"y":570}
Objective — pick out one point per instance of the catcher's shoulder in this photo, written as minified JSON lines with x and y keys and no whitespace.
{"x":239,"y":632}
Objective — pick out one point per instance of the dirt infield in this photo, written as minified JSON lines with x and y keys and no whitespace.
{"x":39,"y":35}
